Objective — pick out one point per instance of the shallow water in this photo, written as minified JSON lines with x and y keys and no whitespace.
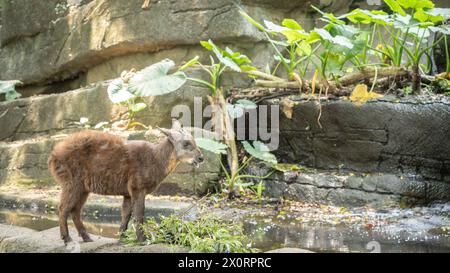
{"x":340,"y":238}
{"x":408,"y":233}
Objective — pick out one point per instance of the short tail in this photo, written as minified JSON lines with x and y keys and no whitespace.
{"x":58,"y":170}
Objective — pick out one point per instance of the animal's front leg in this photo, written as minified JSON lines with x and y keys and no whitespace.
{"x":138,"y":212}
{"x":126,"y":214}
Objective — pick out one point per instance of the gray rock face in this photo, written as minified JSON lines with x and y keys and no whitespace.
{"x":66,"y":39}
{"x":349,"y":189}
{"x":402,"y":137}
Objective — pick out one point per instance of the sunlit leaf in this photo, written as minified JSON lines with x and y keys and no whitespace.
{"x":395,"y":7}
{"x":118,"y":91}
{"x":304,"y":48}
{"x":211,"y":145}
{"x":292,"y":24}
{"x":138,"y":107}
{"x":154,"y":80}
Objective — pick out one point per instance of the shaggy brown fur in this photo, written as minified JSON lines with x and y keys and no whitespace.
{"x":101,"y":163}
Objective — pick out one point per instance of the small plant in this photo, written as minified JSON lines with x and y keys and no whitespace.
{"x":204,"y":234}
{"x":224,"y":113}
{"x":9,"y":89}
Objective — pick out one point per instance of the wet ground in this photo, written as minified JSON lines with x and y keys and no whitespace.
{"x":314,"y":227}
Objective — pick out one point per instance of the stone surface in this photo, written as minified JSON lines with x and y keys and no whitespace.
{"x":52,"y":114}
{"x":156,"y":248}
{"x":49,"y":241}
{"x":401,"y":137}
{"x":8,"y":231}
{"x":356,"y":189}
{"x":64,"y":42}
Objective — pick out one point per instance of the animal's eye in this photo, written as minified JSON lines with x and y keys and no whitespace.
{"x":186,"y":145}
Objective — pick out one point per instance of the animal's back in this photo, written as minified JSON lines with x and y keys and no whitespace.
{"x":96,"y":161}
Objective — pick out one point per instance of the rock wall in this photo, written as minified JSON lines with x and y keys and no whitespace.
{"x":388,"y":135}
{"x":386,"y":150}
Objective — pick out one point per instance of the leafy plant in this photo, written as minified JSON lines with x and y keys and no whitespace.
{"x":237,"y":181}
{"x":204,"y":234}
{"x":408,"y":27}
{"x":399,"y":39}
{"x":8,"y":88}
{"x":153,"y":80}
{"x":293,"y":50}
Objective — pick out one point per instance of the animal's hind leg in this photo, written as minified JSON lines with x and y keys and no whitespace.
{"x":76,"y":217}
{"x":126,"y":214}
{"x":64,"y":211}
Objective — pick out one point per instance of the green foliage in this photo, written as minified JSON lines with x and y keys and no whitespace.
{"x":205,"y":234}
{"x":330,"y":48}
{"x":154,"y":80}
{"x":211,"y":145}
{"x":261,"y":151}
{"x":9,"y":89}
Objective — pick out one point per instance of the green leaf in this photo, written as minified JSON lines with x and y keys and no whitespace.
{"x":9,"y":89}
{"x":118,"y":91}
{"x":415,"y":4}
{"x":154,"y":80}
{"x":304,"y":48}
{"x":211,"y":145}
{"x":226,"y":58}
{"x":395,"y":7}
{"x":338,"y":39}
{"x":294,"y":36}
{"x":445,"y":12}
{"x":260,"y":150}
{"x":138,"y":107}
{"x":292,"y":24}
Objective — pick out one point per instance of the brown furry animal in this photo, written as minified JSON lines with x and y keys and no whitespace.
{"x":92,"y":161}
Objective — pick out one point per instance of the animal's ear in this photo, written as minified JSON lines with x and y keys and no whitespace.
{"x":176,"y":125}
{"x":165,"y":131}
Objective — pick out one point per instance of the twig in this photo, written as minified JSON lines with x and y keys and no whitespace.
{"x":264,"y":75}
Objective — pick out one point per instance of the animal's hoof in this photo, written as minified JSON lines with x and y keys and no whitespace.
{"x":86,"y":238}
{"x":66,"y":239}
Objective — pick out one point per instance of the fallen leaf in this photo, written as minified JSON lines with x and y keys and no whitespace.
{"x":360,"y":95}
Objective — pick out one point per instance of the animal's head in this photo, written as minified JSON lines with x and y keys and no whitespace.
{"x":185,"y":147}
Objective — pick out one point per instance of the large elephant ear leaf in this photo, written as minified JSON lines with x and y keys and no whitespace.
{"x":260,"y":151}
{"x":118,"y":91}
{"x":211,"y":145}
{"x":154,"y":80}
